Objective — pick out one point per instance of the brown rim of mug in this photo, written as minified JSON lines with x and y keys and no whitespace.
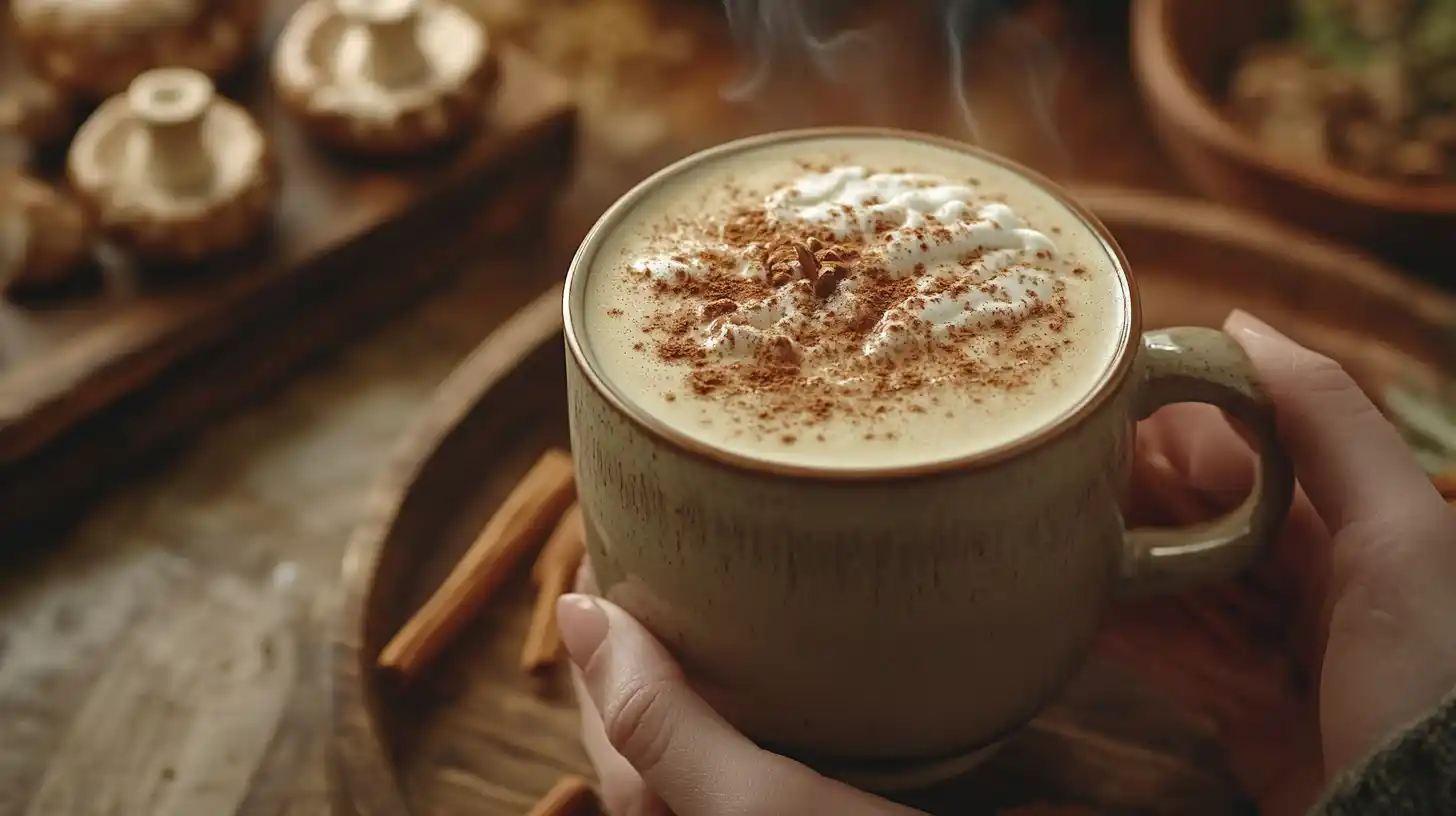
{"x":576,"y":276}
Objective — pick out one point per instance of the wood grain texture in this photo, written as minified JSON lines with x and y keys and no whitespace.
{"x":480,"y":733}
{"x":529,"y":733}
{"x":1329,"y":296}
{"x":341,"y":232}
{"x":167,"y":656}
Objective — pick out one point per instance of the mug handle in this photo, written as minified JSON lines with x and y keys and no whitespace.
{"x":1195,"y":364}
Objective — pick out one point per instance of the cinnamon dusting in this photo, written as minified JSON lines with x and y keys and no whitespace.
{"x":773,"y":324}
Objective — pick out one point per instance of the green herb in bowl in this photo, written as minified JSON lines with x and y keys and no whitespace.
{"x":1369,"y":85}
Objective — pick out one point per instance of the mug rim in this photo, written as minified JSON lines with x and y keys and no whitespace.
{"x":1113,"y":375}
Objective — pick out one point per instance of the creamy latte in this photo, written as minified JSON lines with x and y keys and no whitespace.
{"x":851,"y":302}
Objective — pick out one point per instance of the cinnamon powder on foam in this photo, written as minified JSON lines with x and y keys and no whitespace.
{"x":779,"y":389}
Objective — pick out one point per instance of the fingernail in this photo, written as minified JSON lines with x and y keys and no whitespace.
{"x":583,"y":625}
{"x":1240,"y":322}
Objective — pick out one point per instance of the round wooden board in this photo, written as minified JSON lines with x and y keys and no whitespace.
{"x":478,"y":736}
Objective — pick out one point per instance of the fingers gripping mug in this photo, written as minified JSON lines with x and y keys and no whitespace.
{"x":852,"y":412}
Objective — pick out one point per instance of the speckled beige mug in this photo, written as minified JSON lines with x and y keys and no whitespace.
{"x":887,"y":627}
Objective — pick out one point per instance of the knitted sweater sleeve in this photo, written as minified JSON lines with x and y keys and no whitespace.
{"x":1414,"y":774}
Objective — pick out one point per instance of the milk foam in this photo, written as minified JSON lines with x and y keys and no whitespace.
{"x":983,"y":247}
{"x":850,"y":201}
{"x":853,"y":203}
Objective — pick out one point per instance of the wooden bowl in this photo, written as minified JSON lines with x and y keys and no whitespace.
{"x":476,"y":735}
{"x":1184,"y":52}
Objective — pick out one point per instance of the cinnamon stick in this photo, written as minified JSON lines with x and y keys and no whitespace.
{"x":553,"y":572}
{"x":571,"y":796}
{"x":517,"y":526}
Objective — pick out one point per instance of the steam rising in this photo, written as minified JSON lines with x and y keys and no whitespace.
{"x":958,"y":20}
{"x":1041,"y":68}
{"x":767,"y":31}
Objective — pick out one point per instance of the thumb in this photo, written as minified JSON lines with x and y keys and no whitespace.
{"x":685,"y":752}
{"x":1350,"y":460}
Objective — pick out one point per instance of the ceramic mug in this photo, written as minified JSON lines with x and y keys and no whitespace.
{"x":886,"y":627}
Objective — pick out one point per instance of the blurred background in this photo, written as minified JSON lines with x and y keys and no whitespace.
{"x":195,"y":416}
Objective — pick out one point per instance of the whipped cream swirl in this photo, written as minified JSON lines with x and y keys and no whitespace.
{"x":974,"y":262}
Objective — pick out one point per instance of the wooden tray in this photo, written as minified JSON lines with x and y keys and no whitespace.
{"x":351,"y":242}
{"x":478,"y":736}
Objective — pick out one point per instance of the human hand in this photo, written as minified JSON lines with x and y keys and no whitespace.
{"x":659,"y":749}
{"x":1346,"y":633}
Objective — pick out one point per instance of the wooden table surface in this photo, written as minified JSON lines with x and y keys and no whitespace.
{"x":164,"y":656}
